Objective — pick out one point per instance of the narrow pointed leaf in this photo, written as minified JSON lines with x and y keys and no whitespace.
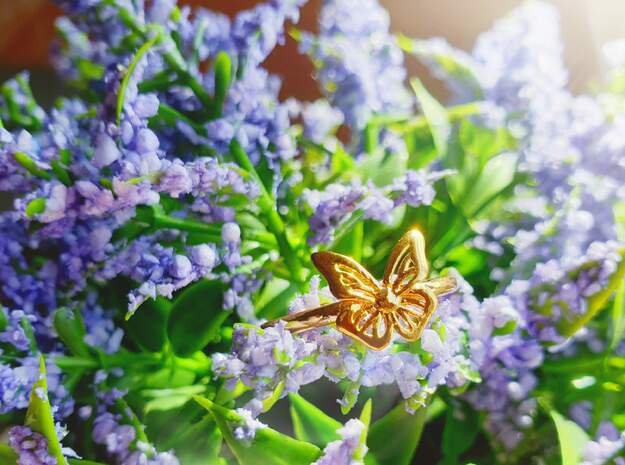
{"x":461,"y":428}
{"x":4,"y":319}
{"x":311,"y":424}
{"x":393,"y":439}
{"x":223,"y":75}
{"x":148,"y":326}
{"x":571,"y":437}
{"x":7,"y":455}
{"x":83,"y":462}
{"x":268,"y":447}
{"x":39,"y":414}
{"x":365,"y":415}
{"x":35,"y":207}
{"x":597,"y":301}
{"x":497,"y":175}
{"x":436,"y":116}
{"x":196,"y":317}
{"x":71,"y":330}
{"x":618,"y":308}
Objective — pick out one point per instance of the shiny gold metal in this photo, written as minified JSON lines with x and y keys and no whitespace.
{"x":369,"y":310}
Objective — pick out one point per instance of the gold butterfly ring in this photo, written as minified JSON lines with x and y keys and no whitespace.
{"x":369,"y":310}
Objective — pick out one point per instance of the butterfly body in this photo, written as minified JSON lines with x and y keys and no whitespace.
{"x":386,"y":301}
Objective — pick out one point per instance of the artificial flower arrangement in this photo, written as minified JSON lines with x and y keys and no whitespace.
{"x":174,"y":222}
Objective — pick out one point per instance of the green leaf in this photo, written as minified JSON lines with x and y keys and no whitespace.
{"x":451,"y":63}
{"x":7,"y":455}
{"x":170,"y":398}
{"x":89,"y":70}
{"x":30,"y":334}
{"x":39,"y":414}
{"x":275,"y":298}
{"x":461,"y":428}
{"x":394,"y":438}
{"x":597,"y":301}
{"x":83,"y":462}
{"x":350,"y":397}
{"x":196,"y":317}
{"x":148,"y":326}
{"x":572,"y":438}
{"x":365,"y":415}
{"x":70,"y":328}
{"x":341,"y":161}
{"x":311,"y":424}
{"x":268,"y":447}
{"x":223,"y":76}
{"x":391,"y":166}
{"x":169,"y":377}
{"x":4,"y":319}
{"x":145,"y":48}
{"x":497,"y":175}
{"x":365,"y":418}
{"x":483,"y":143}
{"x":436,"y":117}
{"x":61,"y":172}
{"x":189,"y":430}
{"x":617,"y":329}
{"x":29,"y":165}
{"x":618,"y":317}
{"x":35,"y":207}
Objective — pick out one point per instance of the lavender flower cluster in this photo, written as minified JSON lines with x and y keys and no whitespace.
{"x":170,"y":206}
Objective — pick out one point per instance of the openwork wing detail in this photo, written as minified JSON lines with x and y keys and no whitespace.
{"x":411,"y":318}
{"x":370,"y":311}
{"x":407,"y":263}
{"x":346,"y":277}
{"x":366,"y":324}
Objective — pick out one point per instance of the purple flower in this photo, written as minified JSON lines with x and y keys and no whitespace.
{"x":320,"y":119}
{"x":266,"y":359}
{"x":106,"y":151}
{"x":330,"y":207}
{"x":334,"y":205}
{"x":256,"y":32}
{"x":248,"y":427}
{"x":359,"y":65}
{"x":16,"y":383}
{"x":30,"y":447}
{"x":349,"y":450}
{"x":14,"y":332}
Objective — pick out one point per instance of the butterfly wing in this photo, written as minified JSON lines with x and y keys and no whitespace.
{"x":407,"y":263}
{"x":364,"y":323}
{"x":412,"y":316}
{"x":346,"y":278}
{"x":406,"y":275}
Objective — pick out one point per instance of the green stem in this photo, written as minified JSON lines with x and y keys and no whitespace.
{"x":133,"y":65}
{"x":173,"y":60}
{"x":169,"y":222}
{"x":370,"y":137}
{"x":197,"y":363}
{"x":130,"y":417}
{"x":171,"y":115}
{"x":211,"y":231}
{"x":406,"y":124}
{"x":72,"y":362}
{"x":160,"y":81}
{"x":269,"y":211}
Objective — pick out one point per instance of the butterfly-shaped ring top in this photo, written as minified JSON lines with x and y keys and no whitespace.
{"x":370,"y":310}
